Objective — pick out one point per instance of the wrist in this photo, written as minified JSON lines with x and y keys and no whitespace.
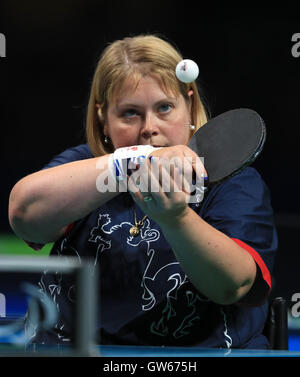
{"x":124,"y":160}
{"x":175,"y":220}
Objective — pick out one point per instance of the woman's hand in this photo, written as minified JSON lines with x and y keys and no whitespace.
{"x":182,"y":153}
{"x":162,"y":185}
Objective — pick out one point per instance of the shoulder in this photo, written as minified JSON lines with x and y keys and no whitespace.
{"x":244,"y":193}
{"x":79,"y":152}
{"x":248,"y":183}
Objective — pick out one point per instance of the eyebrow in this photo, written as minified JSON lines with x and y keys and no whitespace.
{"x":136,"y":105}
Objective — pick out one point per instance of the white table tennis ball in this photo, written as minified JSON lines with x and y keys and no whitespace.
{"x":187,"y":70}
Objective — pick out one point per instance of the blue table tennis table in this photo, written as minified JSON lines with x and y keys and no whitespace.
{"x":115,"y":351}
{"x":146,"y":351}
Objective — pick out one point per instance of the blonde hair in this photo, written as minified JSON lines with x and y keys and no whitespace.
{"x":128,"y":60}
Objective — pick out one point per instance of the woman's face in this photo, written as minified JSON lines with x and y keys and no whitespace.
{"x":148,"y":116}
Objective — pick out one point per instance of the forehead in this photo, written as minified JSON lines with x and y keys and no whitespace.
{"x":136,"y":85}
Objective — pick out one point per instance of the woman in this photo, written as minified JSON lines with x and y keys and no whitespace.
{"x":171,"y":272}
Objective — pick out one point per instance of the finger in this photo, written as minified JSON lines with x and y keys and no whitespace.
{"x":181,"y":187}
{"x":198,"y":167}
{"x":172,"y":183}
{"x":183,"y":176}
{"x":165,"y":175}
{"x":133,"y":189}
{"x":155,"y":182}
{"x":146,"y":185}
{"x":184,"y":181}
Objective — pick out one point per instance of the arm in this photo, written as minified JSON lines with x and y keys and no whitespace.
{"x":42,"y":204}
{"x":215,"y":264}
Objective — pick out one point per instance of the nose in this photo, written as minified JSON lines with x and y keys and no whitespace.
{"x":149,"y":127}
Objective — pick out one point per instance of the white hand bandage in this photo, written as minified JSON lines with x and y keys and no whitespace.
{"x":126,"y":159}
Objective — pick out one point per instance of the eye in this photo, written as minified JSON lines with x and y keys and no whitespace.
{"x":165,"y":108}
{"x":129,"y":113}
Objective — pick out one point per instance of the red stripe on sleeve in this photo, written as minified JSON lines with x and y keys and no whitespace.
{"x":68,"y":228}
{"x":35,"y":246}
{"x":39,"y":246}
{"x":263,"y":268}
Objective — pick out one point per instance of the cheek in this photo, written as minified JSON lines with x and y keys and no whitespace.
{"x":181,"y":129}
{"x":119,"y":134}
{"x":123,"y":136}
{"x":183,"y":137}
{"x":180,"y":133}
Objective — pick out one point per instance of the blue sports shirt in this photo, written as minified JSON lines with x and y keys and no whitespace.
{"x":145,"y":298}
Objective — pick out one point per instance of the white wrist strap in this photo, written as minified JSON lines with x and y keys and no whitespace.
{"x":126,"y":158}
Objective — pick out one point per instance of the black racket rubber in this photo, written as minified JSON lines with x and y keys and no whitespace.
{"x":229,"y":142}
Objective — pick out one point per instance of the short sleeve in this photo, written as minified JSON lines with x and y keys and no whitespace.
{"x":80,"y":152}
{"x":241,"y":208}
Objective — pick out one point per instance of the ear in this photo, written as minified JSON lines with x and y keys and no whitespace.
{"x":190,"y":94}
{"x":102,"y":119}
{"x":99,"y":112}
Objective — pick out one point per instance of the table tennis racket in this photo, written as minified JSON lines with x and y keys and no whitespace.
{"x":229,"y":142}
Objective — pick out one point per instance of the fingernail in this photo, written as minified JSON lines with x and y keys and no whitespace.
{"x":153,"y":159}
